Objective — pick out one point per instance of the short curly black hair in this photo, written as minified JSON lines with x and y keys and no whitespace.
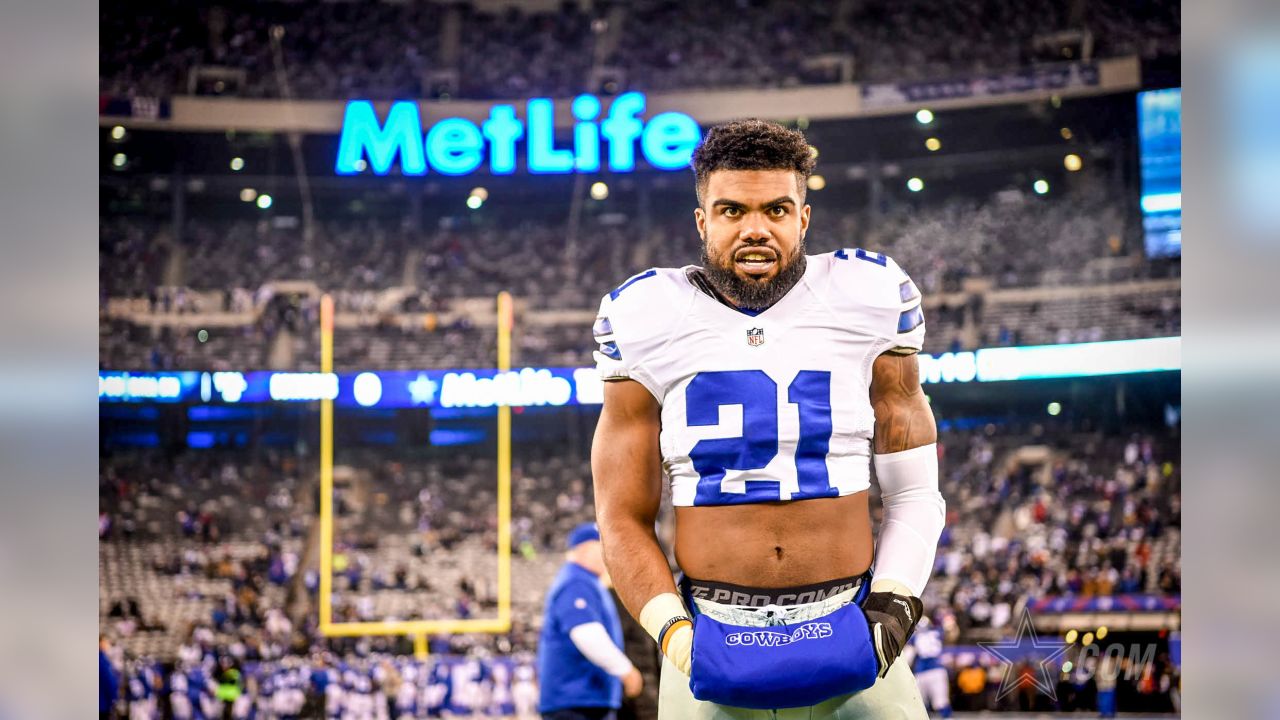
{"x":752,"y":144}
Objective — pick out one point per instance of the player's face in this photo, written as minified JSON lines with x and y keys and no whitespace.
{"x":752,"y":224}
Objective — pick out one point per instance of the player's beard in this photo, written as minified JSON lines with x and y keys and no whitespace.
{"x":750,"y":293}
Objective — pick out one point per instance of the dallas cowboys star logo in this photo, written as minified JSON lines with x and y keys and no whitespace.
{"x":1011,"y":651}
{"x":423,"y":390}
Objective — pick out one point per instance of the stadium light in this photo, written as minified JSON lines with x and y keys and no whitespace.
{"x":599,"y":191}
{"x":1102,"y":632}
{"x":1087,"y":639}
{"x":203,"y":336}
{"x":813,"y":152}
{"x":924,"y":116}
{"x":474,"y":202}
{"x":264,"y":201}
{"x":1055,"y":409}
{"x":915,"y":184}
{"x":248,"y":195}
{"x":933,"y":144}
{"x":117,"y":132}
{"x":817,"y":182}
{"x":1071,"y":636}
{"x":480,"y":192}
{"x":119,"y":160}
{"x":1066,"y":133}
{"x":1072,"y":162}
{"x":1066,"y":666}
{"x":1040,"y":186}
{"x":237,"y":164}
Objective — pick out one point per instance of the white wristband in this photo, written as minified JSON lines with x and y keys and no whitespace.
{"x":656,"y":617}
{"x":660,"y":609}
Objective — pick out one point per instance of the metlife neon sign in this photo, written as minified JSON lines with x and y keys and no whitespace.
{"x":457,"y":146}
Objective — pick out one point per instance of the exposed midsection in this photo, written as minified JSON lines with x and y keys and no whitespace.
{"x":773,"y":545}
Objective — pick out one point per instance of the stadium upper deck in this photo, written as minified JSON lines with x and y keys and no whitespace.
{"x":386,"y":50}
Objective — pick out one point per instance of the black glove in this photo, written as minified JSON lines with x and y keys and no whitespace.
{"x":891,"y":618}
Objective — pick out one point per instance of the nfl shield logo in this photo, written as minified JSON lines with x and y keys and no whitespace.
{"x":755,"y":337}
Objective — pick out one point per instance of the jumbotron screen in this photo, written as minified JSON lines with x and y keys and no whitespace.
{"x":1160,"y":147}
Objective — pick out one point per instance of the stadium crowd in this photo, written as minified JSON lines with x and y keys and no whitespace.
{"x":402,"y":284}
{"x":1100,"y":518}
{"x":160,"y":49}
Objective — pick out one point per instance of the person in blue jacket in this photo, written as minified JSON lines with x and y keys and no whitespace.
{"x":581,"y":665}
{"x":108,"y":681}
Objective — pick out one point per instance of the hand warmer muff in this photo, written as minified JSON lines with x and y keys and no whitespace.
{"x":794,"y":665}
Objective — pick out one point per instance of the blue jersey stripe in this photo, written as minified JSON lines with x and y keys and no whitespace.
{"x":910,"y":319}
{"x":613,"y":294}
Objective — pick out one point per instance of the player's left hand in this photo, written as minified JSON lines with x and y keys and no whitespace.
{"x":891,"y":618}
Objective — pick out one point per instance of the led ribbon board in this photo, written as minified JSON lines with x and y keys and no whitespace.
{"x":1160,"y":150}
{"x":458,"y":146}
{"x":557,"y":387}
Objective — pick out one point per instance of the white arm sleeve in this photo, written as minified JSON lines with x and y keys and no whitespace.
{"x":914,"y":514}
{"x":593,"y":641}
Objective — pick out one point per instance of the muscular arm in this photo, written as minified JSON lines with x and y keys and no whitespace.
{"x":903,"y":417}
{"x":907,"y":472}
{"x":626,"y":471}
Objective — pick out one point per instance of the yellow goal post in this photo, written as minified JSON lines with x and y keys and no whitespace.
{"x":419,"y":629}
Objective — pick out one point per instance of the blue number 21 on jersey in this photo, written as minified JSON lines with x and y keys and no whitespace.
{"x":757,"y":393}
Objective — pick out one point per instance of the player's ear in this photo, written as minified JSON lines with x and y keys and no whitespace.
{"x":804,"y":220}
{"x":700,"y":219}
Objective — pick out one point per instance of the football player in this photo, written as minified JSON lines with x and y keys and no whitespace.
{"x":760,"y":383}
{"x":931,"y":674}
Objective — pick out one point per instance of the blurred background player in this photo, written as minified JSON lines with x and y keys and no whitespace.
{"x":931,"y":675}
{"x":142,"y":692}
{"x":108,"y":679}
{"x":501,"y":702}
{"x":581,"y":665}
{"x":437,"y":691}
{"x":1108,"y":670}
{"x":525,"y":692}
{"x":330,"y":691}
{"x":180,"y":704}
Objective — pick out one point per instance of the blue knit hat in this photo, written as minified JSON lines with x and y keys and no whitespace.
{"x":583,"y":533}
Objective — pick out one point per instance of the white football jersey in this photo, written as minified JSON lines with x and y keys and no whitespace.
{"x":768,"y":406}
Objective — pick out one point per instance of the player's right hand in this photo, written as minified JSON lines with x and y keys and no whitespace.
{"x":680,"y":648}
{"x":666,"y":620}
{"x":632,"y":683}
